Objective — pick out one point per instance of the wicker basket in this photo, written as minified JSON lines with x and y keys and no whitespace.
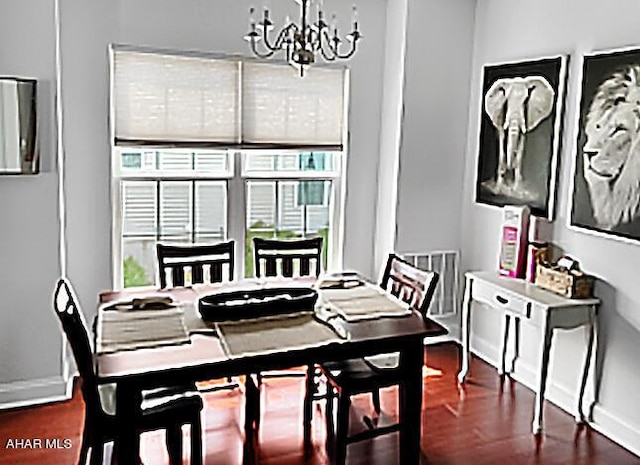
{"x":572,"y":284}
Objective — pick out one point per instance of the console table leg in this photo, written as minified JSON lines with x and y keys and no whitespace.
{"x":516,"y":340}
{"x":506,"y":323}
{"x":544,"y":369}
{"x":580,"y":416}
{"x":466,"y":327}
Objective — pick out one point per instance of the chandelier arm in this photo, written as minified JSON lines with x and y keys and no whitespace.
{"x":316,"y":39}
{"x":311,"y":38}
{"x":326,"y":56}
{"x":346,"y":55}
{"x":287,"y":31}
{"x":280,"y":39}
{"x":254,"y":49}
{"x":267,"y":43}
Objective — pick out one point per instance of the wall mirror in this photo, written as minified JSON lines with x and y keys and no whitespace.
{"x":18,"y":133}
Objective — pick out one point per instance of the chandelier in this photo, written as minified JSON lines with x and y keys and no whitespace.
{"x":302,"y":42}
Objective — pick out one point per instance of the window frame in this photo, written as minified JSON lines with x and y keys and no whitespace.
{"x":237,"y":183}
{"x":236,"y":179}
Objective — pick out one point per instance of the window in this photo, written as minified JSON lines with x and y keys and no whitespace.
{"x":172,"y":196}
{"x":286,"y":199}
{"x":273,"y":167}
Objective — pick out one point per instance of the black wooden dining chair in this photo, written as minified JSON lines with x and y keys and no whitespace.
{"x":206,"y":263}
{"x":165,"y":408}
{"x":370,"y":374}
{"x":288,"y":259}
{"x":210,"y":263}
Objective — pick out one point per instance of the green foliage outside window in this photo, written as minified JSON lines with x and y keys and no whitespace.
{"x":134,"y":274}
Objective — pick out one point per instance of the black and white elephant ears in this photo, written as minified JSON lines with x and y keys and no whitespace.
{"x":494,"y":99}
{"x":541,"y":99}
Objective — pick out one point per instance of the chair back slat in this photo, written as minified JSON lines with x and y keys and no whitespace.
{"x":197,"y":273}
{"x":216,"y":274}
{"x":270,"y":267}
{"x":287,"y":267}
{"x":305,"y":266}
{"x":409,"y":284}
{"x":177,"y":276}
{"x":65,"y":304}
{"x":279,"y":257}
{"x":180,"y":260}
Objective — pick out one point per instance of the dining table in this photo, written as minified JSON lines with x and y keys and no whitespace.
{"x":203,"y":355}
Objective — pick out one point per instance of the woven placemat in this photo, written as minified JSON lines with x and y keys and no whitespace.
{"x":363,"y":303}
{"x":129,"y":330}
{"x":274,"y":334}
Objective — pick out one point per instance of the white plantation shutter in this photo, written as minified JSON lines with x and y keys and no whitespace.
{"x":174,"y":98}
{"x":139,"y":208}
{"x":175,"y":209}
{"x":261,"y":203}
{"x":174,"y":161}
{"x":211,"y":208}
{"x":279,"y":106}
{"x":290,"y":213}
{"x":216,"y":162}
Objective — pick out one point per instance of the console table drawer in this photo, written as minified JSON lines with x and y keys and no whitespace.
{"x":500,"y":298}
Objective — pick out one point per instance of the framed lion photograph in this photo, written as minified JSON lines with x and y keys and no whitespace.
{"x":606,"y":170}
{"x":520,"y":125}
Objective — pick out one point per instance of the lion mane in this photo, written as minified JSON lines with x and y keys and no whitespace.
{"x":611,"y":154}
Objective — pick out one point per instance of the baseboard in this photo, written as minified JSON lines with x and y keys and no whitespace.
{"x":526,"y":374}
{"x":33,"y":392}
{"x":616,"y":429}
{"x":452,"y":324}
{"x":607,"y":424}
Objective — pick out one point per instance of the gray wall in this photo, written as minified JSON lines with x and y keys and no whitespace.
{"x":212,"y":26}
{"x":512,"y":30}
{"x":29,"y":238}
{"x":86,"y":30}
{"x":218,"y":26}
{"x":434,"y":127}
{"x":390,"y":130}
{"x":28,"y":219}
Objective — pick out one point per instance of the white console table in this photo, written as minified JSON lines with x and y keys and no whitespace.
{"x":525,"y":301}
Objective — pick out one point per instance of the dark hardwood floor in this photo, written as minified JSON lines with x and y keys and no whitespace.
{"x":486,"y":422}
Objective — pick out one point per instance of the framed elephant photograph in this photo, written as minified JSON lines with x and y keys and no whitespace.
{"x":520,"y":133}
{"x":606,"y":170}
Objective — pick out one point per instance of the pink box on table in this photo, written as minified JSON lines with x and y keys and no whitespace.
{"x":513,"y":241}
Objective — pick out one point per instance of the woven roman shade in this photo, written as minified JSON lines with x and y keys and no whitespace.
{"x":281,"y":107}
{"x":183,"y":100}
{"x":175,"y":99}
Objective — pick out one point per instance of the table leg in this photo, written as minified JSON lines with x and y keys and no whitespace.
{"x":506,"y":323}
{"x":580,"y":416}
{"x":252,"y":405}
{"x":466,"y":327}
{"x":544,"y":369}
{"x":308,"y":403}
{"x":411,"y":359}
{"x":128,"y":400}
